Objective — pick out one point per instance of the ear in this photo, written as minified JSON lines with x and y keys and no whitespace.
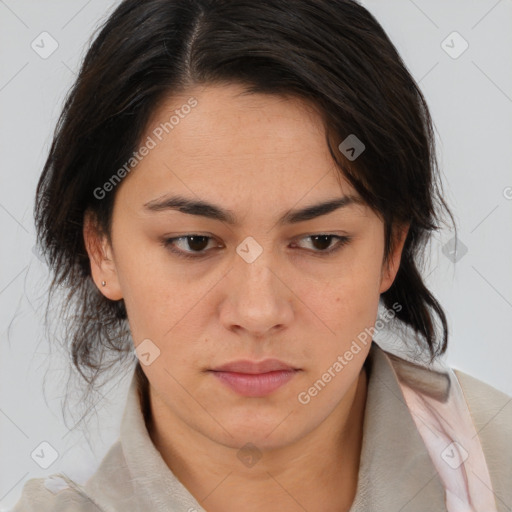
{"x":100,"y":253}
{"x":390,"y":268}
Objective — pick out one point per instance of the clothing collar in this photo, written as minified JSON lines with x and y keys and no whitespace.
{"x":396,"y":471}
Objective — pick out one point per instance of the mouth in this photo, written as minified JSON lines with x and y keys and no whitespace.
{"x":255,"y":384}
{"x":254,"y":367}
{"x":255,"y":379}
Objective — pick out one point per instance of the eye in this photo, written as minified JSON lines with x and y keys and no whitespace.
{"x":194,"y":246}
{"x":322,"y":241}
{"x":197,"y":243}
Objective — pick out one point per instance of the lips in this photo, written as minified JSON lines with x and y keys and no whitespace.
{"x":254,"y":367}
{"x":255,"y":379}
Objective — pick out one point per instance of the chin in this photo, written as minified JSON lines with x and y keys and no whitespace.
{"x":265,"y":432}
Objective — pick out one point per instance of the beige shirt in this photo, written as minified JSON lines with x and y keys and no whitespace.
{"x":396,"y":472}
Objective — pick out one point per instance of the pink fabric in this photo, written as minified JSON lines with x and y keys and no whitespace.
{"x":453,"y":444}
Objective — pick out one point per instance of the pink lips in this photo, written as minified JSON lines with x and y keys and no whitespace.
{"x":255,"y":379}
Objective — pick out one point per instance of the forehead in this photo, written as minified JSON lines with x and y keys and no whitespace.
{"x":233,"y":144}
{"x":228,"y":121}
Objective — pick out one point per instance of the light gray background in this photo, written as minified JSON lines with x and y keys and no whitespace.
{"x":471,"y":103}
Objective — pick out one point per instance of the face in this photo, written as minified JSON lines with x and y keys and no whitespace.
{"x":255,"y":276}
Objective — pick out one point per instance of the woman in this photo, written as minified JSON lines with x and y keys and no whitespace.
{"x":242,"y":185}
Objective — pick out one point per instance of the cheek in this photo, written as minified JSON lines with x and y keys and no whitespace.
{"x":354,"y":290}
{"x":141,"y":270}
{"x":341,"y":309}
{"x":173,"y":320}
{"x":151,"y":303}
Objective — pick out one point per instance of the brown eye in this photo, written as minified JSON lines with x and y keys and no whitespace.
{"x":322,"y":242}
{"x":192,"y":246}
{"x":197,"y":243}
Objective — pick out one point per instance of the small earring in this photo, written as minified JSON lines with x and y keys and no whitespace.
{"x":103,"y":283}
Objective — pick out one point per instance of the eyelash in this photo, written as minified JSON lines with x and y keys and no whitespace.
{"x":167,"y":243}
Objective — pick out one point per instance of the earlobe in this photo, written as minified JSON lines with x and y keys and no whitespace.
{"x":390,"y":269}
{"x":103,"y":268}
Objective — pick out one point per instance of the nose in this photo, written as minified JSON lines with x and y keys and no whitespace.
{"x":257,"y":298}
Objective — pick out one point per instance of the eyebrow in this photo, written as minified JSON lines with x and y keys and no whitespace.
{"x":212,"y":211}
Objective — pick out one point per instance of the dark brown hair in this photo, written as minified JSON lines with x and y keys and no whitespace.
{"x":331,"y":53}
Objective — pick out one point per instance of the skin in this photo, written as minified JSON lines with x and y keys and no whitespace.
{"x":258,"y":156}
